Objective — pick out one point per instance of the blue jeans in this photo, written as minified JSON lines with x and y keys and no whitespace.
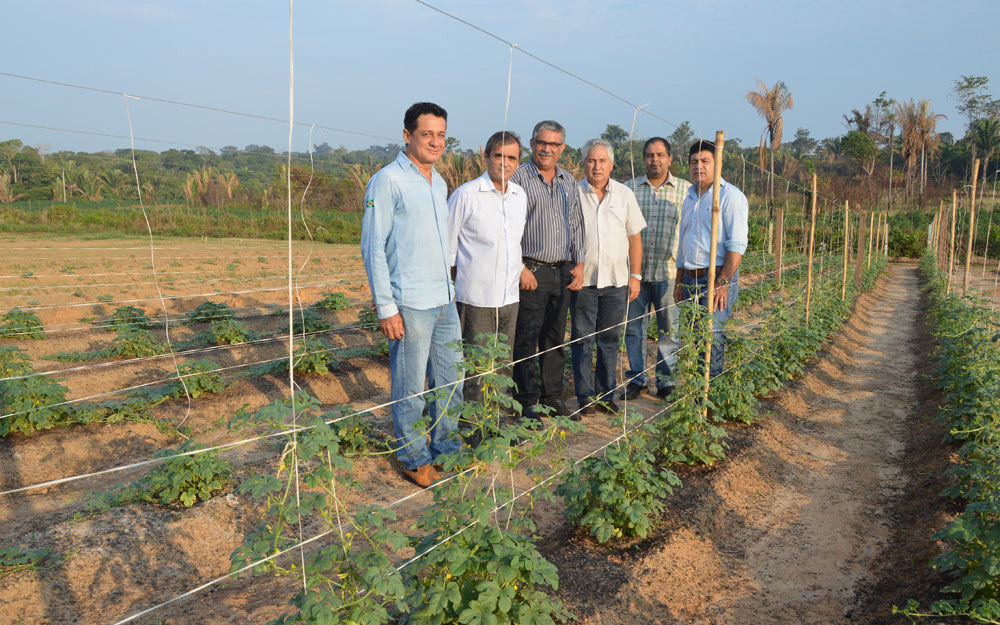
{"x":420,"y":357}
{"x":660,"y":297}
{"x":596,"y":310}
{"x":699,"y":287}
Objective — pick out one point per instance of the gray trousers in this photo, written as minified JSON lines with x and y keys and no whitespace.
{"x":475,"y":321}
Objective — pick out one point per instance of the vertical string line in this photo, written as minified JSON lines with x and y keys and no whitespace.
{"x":619,"y":374}
{"x":291,"y":307}
{"x":152,"y":263}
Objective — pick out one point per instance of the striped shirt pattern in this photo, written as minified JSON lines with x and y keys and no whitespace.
{"x":661,"y":206}
{"x":554,"y":229}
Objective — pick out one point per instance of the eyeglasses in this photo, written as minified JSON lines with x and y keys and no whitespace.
{"x":547,"y":144}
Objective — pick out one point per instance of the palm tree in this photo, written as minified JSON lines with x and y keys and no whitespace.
{"x":987,"y":142}
{"x":770,"y":103}
{"x":919,"y":124}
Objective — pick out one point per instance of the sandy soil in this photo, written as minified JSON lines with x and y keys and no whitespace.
{"x":799,"y":525}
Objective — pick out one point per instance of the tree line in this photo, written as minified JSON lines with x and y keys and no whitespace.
{"x":890,"y":155}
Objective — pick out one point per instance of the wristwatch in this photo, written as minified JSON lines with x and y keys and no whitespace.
{"x":721,"y":281}
{"x":637,"y":276}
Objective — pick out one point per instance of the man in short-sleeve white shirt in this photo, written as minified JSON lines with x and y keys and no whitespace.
{"x":612,"y":270}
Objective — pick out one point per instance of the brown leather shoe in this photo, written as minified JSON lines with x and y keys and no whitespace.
{"x":423,"y":476}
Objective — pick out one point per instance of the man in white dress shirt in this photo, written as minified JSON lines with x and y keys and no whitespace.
{"x":612,"y":270}
{"x":485,"y":221}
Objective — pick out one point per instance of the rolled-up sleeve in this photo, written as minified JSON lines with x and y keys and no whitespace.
{"x":376,"y":226}
{"x":735,"y":217}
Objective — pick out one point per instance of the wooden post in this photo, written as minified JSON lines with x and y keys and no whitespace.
{"x":860,"y":261}
{"x":847,"y":252}
{"x":713,"y":249}
{"x":972,"y":227}
{"x":885,"y":240}
{"x":871,"y":232}
{"x":770,"y":237}
{"x":951,"y":244}
{"x":779,"y":244}
{"x":812,"y":240}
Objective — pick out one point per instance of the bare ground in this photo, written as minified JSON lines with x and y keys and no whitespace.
{"x":821,"y":514}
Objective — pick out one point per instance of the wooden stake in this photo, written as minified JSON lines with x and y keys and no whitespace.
{"x":951,"y":244}
{"x":860,"y":260}
{"x":713,"y":249}
{"x":871,"y":232}
{"x":770,"y":237}
{"x":812,"y":239}
{"x":847,"y":252}
{"x":972,"y":227}
{"x":779,"y":243}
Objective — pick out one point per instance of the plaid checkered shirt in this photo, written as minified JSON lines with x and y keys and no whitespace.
{"x":661,"y":206}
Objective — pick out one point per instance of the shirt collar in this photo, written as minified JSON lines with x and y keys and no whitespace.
{"x":560,"y":172}
{"x":693,"y":191}
{"x":486,"y":184}
{"x":405,"y":162}
{"x":671,"y":181}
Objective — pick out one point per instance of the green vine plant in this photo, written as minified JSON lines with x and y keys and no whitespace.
{"x":333,"y":302}
{"x":967,"y":355}
{"x":207,"y":312}
{"x":685,"y":435}
{"x":477,"y":561}
{"x":19,"y":324}
{"x":125,"y":317}
{"x":182,"y":480}
{"x":350,"y":580}
{"x":620,"y":492}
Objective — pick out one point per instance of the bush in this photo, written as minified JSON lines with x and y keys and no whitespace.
{"x":312,"y":355}
{"x":18,"y":324}
{"x":129,"y":317}
{"x":201,"y":378}
{"x":333,"y":301}
{"x":14,"y":361}
{"x":30,"y":402}
{"x":183,"y":479}
{"x":228,"y":332}
{"x":619,"y":493}
{"x":307,"y":321}
{"x":210,"y":311}
{"x":135,"y":343}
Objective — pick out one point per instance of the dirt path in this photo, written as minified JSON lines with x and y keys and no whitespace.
{"x":795,"y":526}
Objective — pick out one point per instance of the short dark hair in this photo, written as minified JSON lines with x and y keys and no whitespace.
{"x":500,"y":139}
{"x":422,"y":108}
{"x":701,"y":145}
{"x":653,"y":140}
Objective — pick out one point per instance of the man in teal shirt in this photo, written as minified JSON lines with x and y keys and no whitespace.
{"x":404,"y":242}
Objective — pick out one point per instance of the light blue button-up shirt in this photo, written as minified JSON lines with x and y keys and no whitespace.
{"x":696,"y":226}
{"x":404,"y":239}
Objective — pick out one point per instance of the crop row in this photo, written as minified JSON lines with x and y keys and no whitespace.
{"x":967,"y":372}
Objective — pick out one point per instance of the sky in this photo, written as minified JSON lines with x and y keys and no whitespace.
{"x":359,"y":64}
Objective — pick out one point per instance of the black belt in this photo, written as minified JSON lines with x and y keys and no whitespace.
{"x":533,"y":264}
{"x":701,"y":273}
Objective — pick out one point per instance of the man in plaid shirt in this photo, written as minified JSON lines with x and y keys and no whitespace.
{"x":660,"y":195}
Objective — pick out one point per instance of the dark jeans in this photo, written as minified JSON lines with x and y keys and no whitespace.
{"x":477,"y":321}
{"x":602,"y":311}
{"x":699,"y":287}
{"x":541,"y":325}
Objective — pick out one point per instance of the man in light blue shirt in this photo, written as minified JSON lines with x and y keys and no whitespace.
{"x":694,"y":248}
{"x":404,"y":242}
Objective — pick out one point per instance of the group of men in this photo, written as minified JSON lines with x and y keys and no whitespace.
{"x":516,"y":249}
